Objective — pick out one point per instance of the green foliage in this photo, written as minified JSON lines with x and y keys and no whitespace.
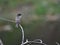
{"x":55,"y":7}
{"x":10,"y":3}
{"x":12,"y":37}
{"x":41,"y":10}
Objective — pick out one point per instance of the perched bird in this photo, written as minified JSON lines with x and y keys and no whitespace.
{"x":18,"y":20}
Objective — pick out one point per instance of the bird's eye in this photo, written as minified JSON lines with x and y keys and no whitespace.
{"x":19,"y":15}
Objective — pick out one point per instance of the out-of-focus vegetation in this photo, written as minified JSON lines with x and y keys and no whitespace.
{"x":42,"y":6}
{"x":33,"y":29}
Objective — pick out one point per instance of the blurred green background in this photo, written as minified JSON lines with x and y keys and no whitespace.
{"x":36,"y":16}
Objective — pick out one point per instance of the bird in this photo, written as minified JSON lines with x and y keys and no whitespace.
{"x":18,"y":19}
